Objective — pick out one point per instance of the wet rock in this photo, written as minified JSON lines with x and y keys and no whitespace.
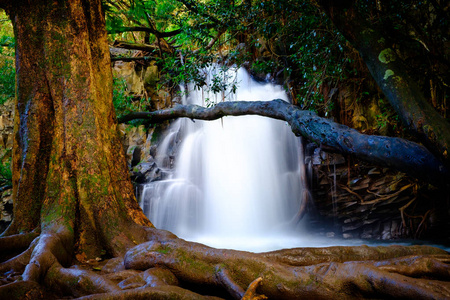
{"x":147,"y":172}
{"x":6,"y":209}
{"x":136,"y":156}
{"x":137,"y":143}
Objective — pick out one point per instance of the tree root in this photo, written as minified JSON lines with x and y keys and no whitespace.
{"x":167,"y":267}
{"x":11,"y":246}
{"x":312,"y":256}
{"x":77,"y":282}
{"x":18,"y":263}
{"x":17,"y":241}
{"x":50,"y":249}
{"x":163,"y":292}
{"x":22,"y":290}
{"x":433,"y":266}
{"x":345,"y":272}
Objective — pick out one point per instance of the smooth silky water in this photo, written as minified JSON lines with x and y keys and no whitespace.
{"x":237,"y":182}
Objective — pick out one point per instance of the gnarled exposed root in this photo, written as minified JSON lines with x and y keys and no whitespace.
{"x":167,"y":267}
{"x":346,"y":272}
{"x":21,"y":290}
{"x":311,"y":256}
{"x":432,"y":266}
{"x":163,"y":292}
{"x":17,"y":241}
{"x":77,"y":282}
{"x":44,"y":252}
{"x":51,"y":248}
{"x":18,"y":263}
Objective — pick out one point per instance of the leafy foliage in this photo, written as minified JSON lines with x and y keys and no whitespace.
{"x":291,"y":40}
{"x":7,"y":80}
{"x":7,"y":68}
{"x":124,"y":102}
{"x":5,"y":170}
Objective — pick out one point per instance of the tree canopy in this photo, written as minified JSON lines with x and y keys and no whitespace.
{"x":316,"y":49}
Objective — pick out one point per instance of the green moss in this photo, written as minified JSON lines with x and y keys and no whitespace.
{"x":311,"y":280}
{"x":388,"y":74}
{"x":164,"y":250}
{"x":196,"y":265}
{"x":387,"y":55}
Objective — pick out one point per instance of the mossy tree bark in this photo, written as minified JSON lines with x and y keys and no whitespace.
{"x":69,"y":172}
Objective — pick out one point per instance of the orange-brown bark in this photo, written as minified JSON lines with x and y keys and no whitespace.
{"x":69,"y":169}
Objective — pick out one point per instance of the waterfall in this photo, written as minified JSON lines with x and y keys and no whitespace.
{"x":237,"y":181}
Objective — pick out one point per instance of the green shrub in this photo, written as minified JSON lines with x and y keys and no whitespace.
{"x":5,"y":171}
{"x":7,"y":80}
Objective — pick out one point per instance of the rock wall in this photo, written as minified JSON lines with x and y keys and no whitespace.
{"x":140,"y":145}
{"x":6,"y":143}
{"x":142,"y":79}
{"x":6,"y":126}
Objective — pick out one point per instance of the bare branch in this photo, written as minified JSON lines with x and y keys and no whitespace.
{"x":212,"y":41}
{"x":119,"y":58}
{"x":137,"y":46}
{"x":146,"y":29}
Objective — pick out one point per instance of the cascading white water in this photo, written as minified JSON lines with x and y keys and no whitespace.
{"x":237,"y":181}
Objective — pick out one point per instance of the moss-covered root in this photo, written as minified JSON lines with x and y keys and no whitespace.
{"x":145,"y":293}
{"x":22,"y":290}
{"x":435,"y":267}
{"x":343,"y":277}
{"x":77,"y":282}
{"x":52,"y":248}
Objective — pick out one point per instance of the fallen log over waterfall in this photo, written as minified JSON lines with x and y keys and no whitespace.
{"x":400,"y":154}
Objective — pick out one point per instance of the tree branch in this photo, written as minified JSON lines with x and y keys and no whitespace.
{"x":212,"y":41}
{"x":391,"y":75}
{"x":146,"y":29}
{"x":192,"y":6}
{"x":135,"y":46}
{"x":142,"y":47}
{"x":397,"y":153}
{"x":119,"y":58}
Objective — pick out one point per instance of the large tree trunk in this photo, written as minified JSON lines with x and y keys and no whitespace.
{"x":69,"y":170}
{"x":377,"y":50}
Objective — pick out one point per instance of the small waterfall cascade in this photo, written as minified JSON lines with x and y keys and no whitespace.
{"x":236,"y":181}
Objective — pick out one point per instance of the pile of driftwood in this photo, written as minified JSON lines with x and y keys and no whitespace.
{"x":364,"y":201}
